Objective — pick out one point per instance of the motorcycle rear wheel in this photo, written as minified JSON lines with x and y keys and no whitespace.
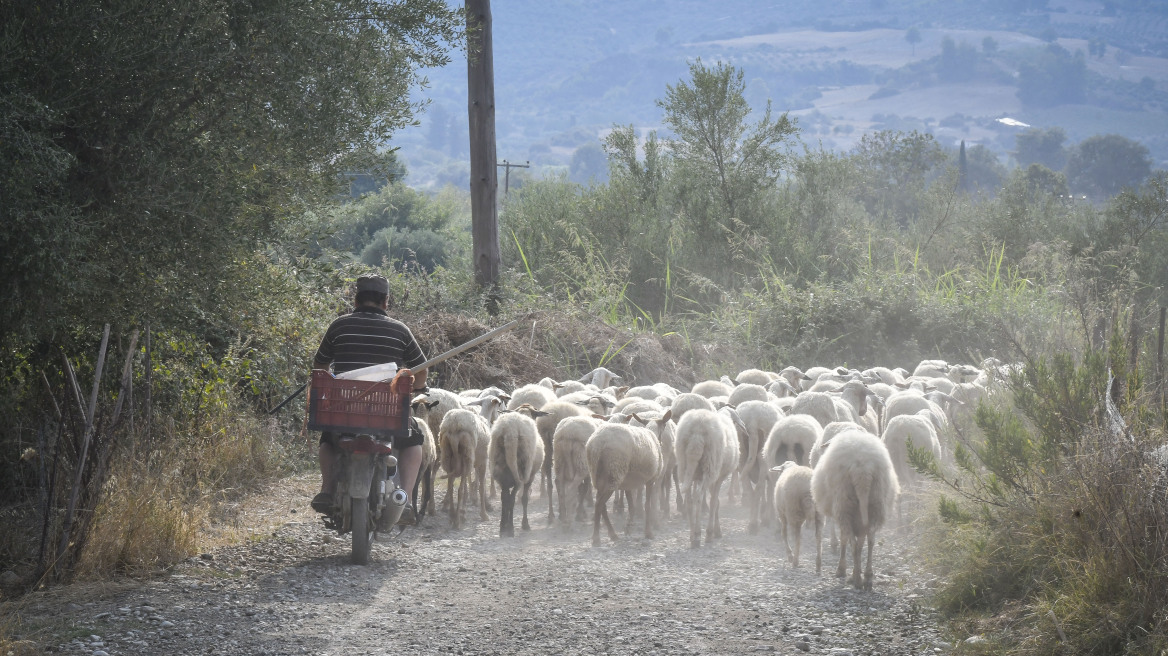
{"x":362,"y":531}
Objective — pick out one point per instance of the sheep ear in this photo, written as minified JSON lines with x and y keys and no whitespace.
{"x":600,"y":417}
{"x":667,"y":416}
{"x":621,"y":390}
{"x":432,"y":404}
{"x":478,"y":402}
{"x":539,"y":413}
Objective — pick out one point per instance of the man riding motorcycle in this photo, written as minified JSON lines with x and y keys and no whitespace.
{"x":365,"y":337}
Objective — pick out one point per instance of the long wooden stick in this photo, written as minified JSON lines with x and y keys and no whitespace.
{"x":88,"y":435}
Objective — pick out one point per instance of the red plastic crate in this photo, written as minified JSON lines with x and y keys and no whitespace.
{"x":360,"y":406}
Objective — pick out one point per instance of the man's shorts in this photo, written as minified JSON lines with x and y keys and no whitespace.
{"x":414,"y":439}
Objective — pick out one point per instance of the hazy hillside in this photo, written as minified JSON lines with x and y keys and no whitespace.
{"x":567,"y":71}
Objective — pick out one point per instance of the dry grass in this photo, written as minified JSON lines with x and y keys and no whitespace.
{"x":555,"y":344}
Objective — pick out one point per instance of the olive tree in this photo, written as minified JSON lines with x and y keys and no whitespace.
{"x":149,"y":148}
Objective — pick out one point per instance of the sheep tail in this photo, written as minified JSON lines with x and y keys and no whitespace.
{"x":511,"y":450}
{"x":862,"y":481}
{"x":693,"y":455}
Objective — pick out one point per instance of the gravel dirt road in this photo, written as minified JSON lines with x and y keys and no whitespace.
{"x":287,"y":588}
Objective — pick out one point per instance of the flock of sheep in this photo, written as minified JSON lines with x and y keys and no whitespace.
{"x":802,"y":446}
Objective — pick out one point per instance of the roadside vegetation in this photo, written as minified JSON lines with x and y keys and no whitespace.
{"x":726,"y":242}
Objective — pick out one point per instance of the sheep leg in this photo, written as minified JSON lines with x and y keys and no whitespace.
{"x":526,"y":497}
{"x":547,"y":475}
{"x":691,"y":510}
{"x":649,"y":509}
{"x":483,"y":505}
{"x":834,"y":541}
{"x":451,"y":506}
{"x":868,"y":569}
{"x":818,"y":543}
{"x":735,"y":486}
{"x":716,"y":511}
{"x":507,"y":512}
{"x":585,"y":499}
{"x":677,"y":487}
{"x":786,"y":540}
{"x":845,"y":529}
{"x":563,"y":491}
{"x":752,"y":492}
{"x":600,"y":511}
{"x":857,"y":557}
{"x":712,"y":514}
{"x":798,"y":541}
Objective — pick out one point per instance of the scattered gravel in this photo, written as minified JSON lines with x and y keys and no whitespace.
{"x":438,"y":591}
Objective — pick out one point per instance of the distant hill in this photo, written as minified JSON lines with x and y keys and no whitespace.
{"x":567,"y":71}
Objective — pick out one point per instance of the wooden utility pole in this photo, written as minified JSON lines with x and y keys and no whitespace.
{"x":484,"y":180}
{"x":507,"y":174}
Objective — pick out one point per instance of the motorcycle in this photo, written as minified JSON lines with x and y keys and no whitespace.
{"x":367,"y":499}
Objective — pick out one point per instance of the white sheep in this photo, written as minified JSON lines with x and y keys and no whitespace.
{"x":780,"y":388}
{"x":791,"y":438}
{"x":794,"y":377}
{"x":447,"y":401}
{"x":858,"y":397}
{"x":754,"y":376}
{"x":622,"y":457}
{"x":423,"y":493}
{"x":855,"y":484}
{"x":707,"y":451}
{"x":553,"y":413}
{"x":829,"y":431}
{"x":463,"y":441}
{"x":533,"y":395}
{"x":747,"y":392}
{"x":758,"y":418}
{"x":516,"y":454}
{"x":688,"y":401}
{"x":910,"y":402}
{"x":794,"y":505}
{"x":708,"y":388}
{"x":918,"y":430}
{"x":638,"y":405}
{"x":819,"y":405}
{"x":571,"y":463}
{"x":601,"y":378}
{"x":931,"y":369}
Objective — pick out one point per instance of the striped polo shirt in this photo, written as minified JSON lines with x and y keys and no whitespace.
{"x":367,"y":337}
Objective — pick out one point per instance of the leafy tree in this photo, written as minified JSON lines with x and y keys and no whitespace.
{"x":896,"y":166}
{"x":1037,"y":179}
{"x":983,"y":172}
{"x":1104,"y":164}
{"x":1039,"y":146}
{"x":1138,"y":216}
{"x":396,"y":206}
{"x":913,"y":36}
{"x":958,"y":61}
{"x":159,"y":144}
{"x":588,"y":165}
{"x":727,"y":166}
{"x":1052,"y":78}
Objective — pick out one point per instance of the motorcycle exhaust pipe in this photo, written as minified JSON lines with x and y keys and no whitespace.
{"x":392,"y":511}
